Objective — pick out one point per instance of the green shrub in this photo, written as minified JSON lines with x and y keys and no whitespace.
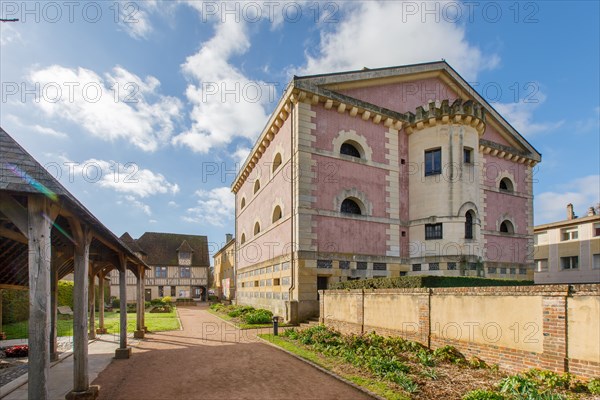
{"x":167,"y":299}
{"x":481,"y":394}
{"x":259,"y":316}
{"x":65,"y":293}
{"x":15,"y":305}
{"x":594,"y":386}
{"x":425,"y":281}
{"x":450,"y":354}
{"x":116,"y":303}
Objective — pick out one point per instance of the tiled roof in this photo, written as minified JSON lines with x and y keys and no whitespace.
{"x":163,"y":248}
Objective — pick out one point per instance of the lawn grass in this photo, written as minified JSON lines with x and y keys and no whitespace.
{"x":373,"y":385}
{"x":155,"y":322}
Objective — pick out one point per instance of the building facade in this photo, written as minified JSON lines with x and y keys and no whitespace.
{"x":179,"y":266}
{"x":380,"y":173}
{"x":224,"y":274}
{"x":568,"y":251}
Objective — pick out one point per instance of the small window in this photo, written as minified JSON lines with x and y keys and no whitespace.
{"x":467,"y":155}
{"x":569,"y":262}
{"x":324,"y":264}
{"x":161,"y":291}
{"x":522,"y":271}
{"x":361,"y":265}
{"x":569,"y":234}
{"x":184,"y":272}
{"x":256,"y":186}
{"x":434,"y":266}
{"x":597,"y":229}
{"x":256,"y":228}
{"x":491,"y":270}
{"x":513,"y":271}
{"x":243,"y":239}
{"x":350,"y":206}
{"x":596,"y":261}
{"x":451,"y":266}
{"x":160,"y":272}
{"x":349,"y":149}
{"x":379,"y":266}
{"x":507,"y":227}
{"x":416,"y":267}
{"x":243,"y":203}
{"x":344,"y":264}
{"x":433,"y":231}
{"x":503,"y":271}
{"x":469,"y":225}
{"x":276,"y":282}
{"x":276,"y":214}
{"x":541,"y":265}
{"x":506,"y":185}
{"x":173,"y":291}
{"x":433,"y":162}
{"x":276,"y":162}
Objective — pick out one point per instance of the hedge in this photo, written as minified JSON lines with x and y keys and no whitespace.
{"x":425,"y":281}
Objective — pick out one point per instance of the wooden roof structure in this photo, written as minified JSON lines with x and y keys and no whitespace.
{"x":45,"y":234}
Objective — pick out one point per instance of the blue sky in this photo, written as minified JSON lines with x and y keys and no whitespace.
{"x":142,"y":109}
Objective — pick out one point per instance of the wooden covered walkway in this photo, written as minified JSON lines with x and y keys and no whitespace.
{"x":45,"y":234}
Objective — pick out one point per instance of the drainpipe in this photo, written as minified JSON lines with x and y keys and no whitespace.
{"x":292,"y":262}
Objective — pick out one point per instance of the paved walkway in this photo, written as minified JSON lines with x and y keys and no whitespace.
{"x":210,"y":359}
{"x":101,"y":351}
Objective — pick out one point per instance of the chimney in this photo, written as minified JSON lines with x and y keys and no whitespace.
{"x":591,"y":212}
{"x":228,"y":237}
{"x":570,"y":213}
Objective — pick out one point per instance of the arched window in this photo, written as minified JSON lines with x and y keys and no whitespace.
{"x":350,"y":206}
{"x":506,"y":185}
{"x":243,"y":203}
{"x":469,"y":225}
{"x":350,"y":149}
{"x":256,"y":186}
{"x":243,"y":240}
{"x":507,"y":227}
{"x":277,"y":214}
{"x":276,"y":162}
{"x":256,"y":228}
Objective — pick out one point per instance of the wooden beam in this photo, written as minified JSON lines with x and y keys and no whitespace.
{"x":92,"y":304}
{"x":12,"y":235}
{"x":83,"y":239}
{"x":122,"y":351}
{"x":38,"y":232}
{"x":16,"y":213}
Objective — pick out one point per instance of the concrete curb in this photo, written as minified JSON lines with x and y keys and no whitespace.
{"x":324,"y":370}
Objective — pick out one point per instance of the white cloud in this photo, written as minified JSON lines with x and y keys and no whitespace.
{"x":134,"y":17}
{"x":135,"y":203}
{"x":373,"y":34}
{"x":582,"y":193}
{"x":120,"y":106}
{"x":125,"y":178}
{"x":240,"y":154}
{"x":226,"y":103}
{"x":42,"y":130}
{"x":8,"y":34}
{"x":520,"y":116}
{"x":173,"y":204}
{"x":214,"y":207}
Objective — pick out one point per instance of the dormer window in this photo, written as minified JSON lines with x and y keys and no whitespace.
{"x":185,"y":258}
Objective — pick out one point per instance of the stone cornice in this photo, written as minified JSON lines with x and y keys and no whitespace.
{"x":506,"y":152}
{"x":461,"y":112}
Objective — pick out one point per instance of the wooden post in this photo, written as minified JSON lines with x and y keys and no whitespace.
{"x":92,"y":305}
{"x":139,"y":333}
{"x":53,"y":313}
{"x":123,"y":351}
{"x":83,"y":238}
{"x":101,"y":329}
{"x":144,"y":292}
{"x":39,"y":242}
{"x":2,"y":334}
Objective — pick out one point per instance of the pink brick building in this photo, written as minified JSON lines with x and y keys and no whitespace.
{"x":382,"y":172}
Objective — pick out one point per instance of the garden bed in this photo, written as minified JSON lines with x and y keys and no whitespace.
{"x":398,"y":369}
{"x":244,"y":317}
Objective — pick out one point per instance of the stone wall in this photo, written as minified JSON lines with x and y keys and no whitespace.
{"x":553,"y":327}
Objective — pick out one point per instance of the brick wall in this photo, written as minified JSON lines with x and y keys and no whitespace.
{"x":553,"y":327}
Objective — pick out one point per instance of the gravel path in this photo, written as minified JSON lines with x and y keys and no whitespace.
{"x":210,"y":359}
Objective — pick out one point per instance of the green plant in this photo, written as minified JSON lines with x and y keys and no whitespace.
{"x":167,"y":299}
{"x":430,"y":373}
{"x":450,"y":354}
{"x":481,"y":394}
{"x":259,"y":316}
{"x":476,"y":362}
{"x":404,"y":381}
{"x":116,"y":303}
{"x":594,"y":386}
{"x":424,"y":281}
{"x":426,"y":358}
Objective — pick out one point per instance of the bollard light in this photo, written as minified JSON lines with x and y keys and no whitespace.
{"x":275,"y":325}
